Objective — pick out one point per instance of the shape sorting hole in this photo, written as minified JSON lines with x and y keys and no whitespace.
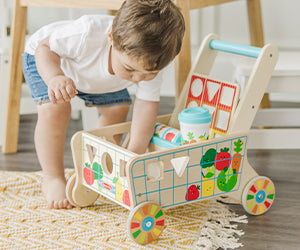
{"x":227,"y":96}
{"x":212,"y":89}
{"x":222,"y":120}
{"x":107,"y":163}
{"x":154,"y":171}
{"x":122,"y":165}
{"x":197,"y":87}
{"x":192,"y":104}
{"x":92,"y":152}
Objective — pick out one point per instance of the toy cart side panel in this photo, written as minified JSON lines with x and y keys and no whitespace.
{"x":248,"y":174}
{"x":153,"y":177}
{"x":103,"y":169}
{"x":76,"y":147}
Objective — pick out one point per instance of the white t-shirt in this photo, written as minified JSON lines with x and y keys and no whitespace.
{"x":84,"y":50}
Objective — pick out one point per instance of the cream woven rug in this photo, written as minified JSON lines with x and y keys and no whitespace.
{"x":27,"y":223}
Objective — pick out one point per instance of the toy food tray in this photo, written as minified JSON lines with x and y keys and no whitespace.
{"x":168,"y":177}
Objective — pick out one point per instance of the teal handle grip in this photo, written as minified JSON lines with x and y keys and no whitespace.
{"x":235,"y":48}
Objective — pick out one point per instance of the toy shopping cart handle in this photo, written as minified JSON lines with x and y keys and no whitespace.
{"x":235,"y":48}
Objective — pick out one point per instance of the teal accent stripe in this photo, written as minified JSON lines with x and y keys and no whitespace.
{"x":235,"y":48}
{"x":163,"y":143}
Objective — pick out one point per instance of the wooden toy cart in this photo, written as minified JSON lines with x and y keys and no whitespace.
{"x":168,"y":176}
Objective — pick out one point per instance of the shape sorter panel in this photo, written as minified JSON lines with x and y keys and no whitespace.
{"x":102,"y":170}
{"x":218,"y":96}
{"x":213,"y":169}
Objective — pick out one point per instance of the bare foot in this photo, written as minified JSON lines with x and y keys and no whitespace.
{"x":54,"y":191}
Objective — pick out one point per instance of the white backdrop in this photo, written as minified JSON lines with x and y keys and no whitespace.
{"x":281,"y":22}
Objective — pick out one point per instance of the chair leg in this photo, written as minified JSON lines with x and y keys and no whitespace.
{"x":12,"y":118}
{"x":183,"y":60}
{"x":112,"y":12}
{"x":257,"y":36}
{"x":255,"y":23}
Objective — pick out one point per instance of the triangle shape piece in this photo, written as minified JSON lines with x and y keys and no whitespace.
{"x":92,"y":151}
{"x":212,"y":89}
{"x":180,"y":164}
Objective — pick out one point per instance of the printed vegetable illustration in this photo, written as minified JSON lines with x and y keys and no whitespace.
{"x":119,"y":191}
{"x":227,"y":182}
{"x":208,"y":158}
{"x":192,"y":193}
{"x":207,"y":163}
{"x":237,"y":157}
{"x":210,"y":172}
{"x":88,"y":174}
{"x":162,"y":127}
{"x":107,"y":186}
{"x":126,"y":199}
{"x":98,"y":172}
{"x":223,"y":159}
{"x":191,"y":137}
{"x":208,"y":188}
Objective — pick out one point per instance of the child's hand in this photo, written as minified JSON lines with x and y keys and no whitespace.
{"x":61,"y":89}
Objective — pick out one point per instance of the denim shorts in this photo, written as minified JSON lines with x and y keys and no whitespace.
{"x":39,"y":89}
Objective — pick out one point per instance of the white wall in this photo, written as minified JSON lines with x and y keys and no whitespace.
{"x":281,"y":21}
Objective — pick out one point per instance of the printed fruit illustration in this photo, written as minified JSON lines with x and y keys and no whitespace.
{"x":169,"y":136}
{"x":202,"y":138}
{"x":208,"y":158}
{"x":208,"y":188}
{"x":98,"y":172}
{"x":126,"y":199}
{"x":88,"y":174}
{"x":227,"y":182}
{"x":119,"y":191}
{"x":237,"y":157}
{"x":184,"y":142}
{"x":191,"y":137}
{"x":223,"y":159}
{"x":192,"y":193}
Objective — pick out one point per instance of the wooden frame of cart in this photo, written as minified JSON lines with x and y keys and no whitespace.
{"x":163,"y":177}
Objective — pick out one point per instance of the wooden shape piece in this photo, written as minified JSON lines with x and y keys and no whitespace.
{"x":180,"y":164}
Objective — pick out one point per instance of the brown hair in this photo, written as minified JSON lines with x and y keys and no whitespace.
{"x":151,"y":30}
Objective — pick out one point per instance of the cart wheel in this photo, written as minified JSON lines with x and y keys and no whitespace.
{"x":69,"y":188}
{"x":146,"y":222}
{"x":258,"y":195}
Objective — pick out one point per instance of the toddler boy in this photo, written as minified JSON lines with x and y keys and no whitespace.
{"x":97,"y":57}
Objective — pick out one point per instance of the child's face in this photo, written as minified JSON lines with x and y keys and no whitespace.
{"x":129,"y":68}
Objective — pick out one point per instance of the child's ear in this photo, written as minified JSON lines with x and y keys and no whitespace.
{"x":109,"y":36}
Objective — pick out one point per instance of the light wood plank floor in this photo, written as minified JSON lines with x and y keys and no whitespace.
{"x":278,"y":229}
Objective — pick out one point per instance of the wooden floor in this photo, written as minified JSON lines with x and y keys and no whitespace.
{"x":278,"y":229}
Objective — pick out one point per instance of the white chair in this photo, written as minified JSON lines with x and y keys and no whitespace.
{"x":284,"y":85}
